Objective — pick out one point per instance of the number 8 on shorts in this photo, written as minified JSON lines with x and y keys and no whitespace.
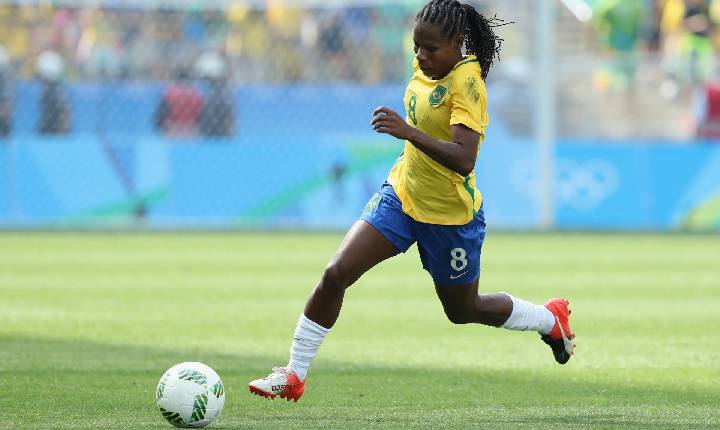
{"x":457,"y":259}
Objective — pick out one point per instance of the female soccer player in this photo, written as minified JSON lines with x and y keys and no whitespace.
{"x":429,"y":197}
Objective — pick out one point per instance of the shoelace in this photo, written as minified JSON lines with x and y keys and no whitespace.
{"x":277,"y":370}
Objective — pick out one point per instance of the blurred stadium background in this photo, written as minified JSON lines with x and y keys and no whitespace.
{"x":254,"y":113}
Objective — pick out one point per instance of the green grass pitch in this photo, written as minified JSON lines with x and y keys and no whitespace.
{"x":89,"y":322}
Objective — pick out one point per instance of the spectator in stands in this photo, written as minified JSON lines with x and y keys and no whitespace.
{"x":15,"y":32}
{"x":618,"y":23}
{"x":218,"y":111}
{"x":179,"y":110}
{"x":5,"y":98}
{"x":697,"y":48}
{"x":671,"y":34}
{"x":54,"y":108}
{"x":687,"y":31}
{"x":706,"y":111}
{"x":332,"y":44}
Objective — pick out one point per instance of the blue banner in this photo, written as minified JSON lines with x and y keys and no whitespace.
{"x":321,"y":184}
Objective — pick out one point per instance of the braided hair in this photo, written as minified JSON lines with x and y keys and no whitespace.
{"x":455,"y":19}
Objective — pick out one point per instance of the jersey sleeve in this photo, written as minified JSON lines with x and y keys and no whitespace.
{"x":469,"y":99}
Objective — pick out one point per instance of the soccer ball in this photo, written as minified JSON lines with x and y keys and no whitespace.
{"x":190,"y":395}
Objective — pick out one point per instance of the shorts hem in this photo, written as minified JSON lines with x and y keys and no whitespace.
{"x":454,"y":282}
{"x":399,"y":249}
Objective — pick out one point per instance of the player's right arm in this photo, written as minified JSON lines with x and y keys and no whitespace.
{"x":459,"y":155}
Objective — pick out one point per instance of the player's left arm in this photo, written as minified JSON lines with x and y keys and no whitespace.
{"x":459,"y":155}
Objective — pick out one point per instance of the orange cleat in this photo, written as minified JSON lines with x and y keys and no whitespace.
{"x":281,"y":382}
{"x":561,"y":338}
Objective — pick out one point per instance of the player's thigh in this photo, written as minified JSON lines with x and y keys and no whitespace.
{"x":451,"y":254}
{"x":383,"y":231}
{"x":362,"y":248}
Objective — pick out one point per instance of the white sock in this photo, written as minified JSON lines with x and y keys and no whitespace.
{"x":528,"y":316}
{"x":306,"y":342}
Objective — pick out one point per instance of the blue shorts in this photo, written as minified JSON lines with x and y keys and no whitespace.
{"x":450,"y":253}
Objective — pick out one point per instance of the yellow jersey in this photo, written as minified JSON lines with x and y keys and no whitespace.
{"x":430,"y":192}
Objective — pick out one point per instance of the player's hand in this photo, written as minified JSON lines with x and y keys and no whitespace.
{"x":387,"y":121}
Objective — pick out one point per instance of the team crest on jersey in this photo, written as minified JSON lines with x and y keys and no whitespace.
{"x":437,"y":95}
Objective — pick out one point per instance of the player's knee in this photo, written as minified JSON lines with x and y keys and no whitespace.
{"x":459,"y":316}
{"x":335,"y":278}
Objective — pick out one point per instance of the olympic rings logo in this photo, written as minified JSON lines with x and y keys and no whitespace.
{"x":585,"y":185}
{"x":581,"y":185}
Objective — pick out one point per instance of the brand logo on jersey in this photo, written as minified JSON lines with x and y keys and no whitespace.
{"x":471,"y":89}
{"x":437,"y":95}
